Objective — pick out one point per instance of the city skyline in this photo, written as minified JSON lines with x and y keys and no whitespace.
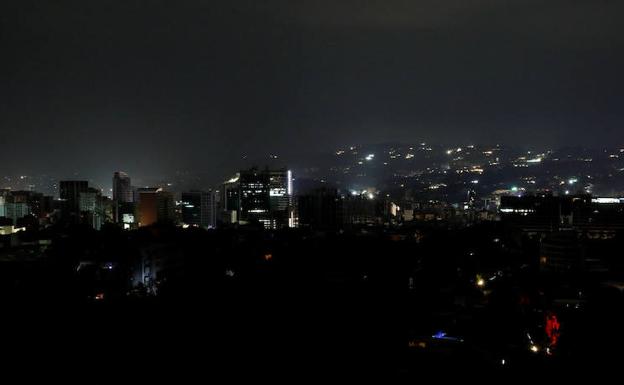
{"x":319,"y":189}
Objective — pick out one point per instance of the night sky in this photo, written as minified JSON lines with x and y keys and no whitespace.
{"x":157,"y":86}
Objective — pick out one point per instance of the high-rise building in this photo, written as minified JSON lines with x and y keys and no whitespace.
{"x":91,"y":208}
{"x":123,"y":206}
{"x":198,"y":209}
{"x":70,"y":194}
{"x":155,"y":206}
{"x":229,"y":201}
{"x":254,"y":197}
{"x":259,"y":196}
{"x":3,"y":203}
{"x":40,"y":205}
{"x":281,"y":198}
{"x":122,"y":188}
{"x":16,"y":210}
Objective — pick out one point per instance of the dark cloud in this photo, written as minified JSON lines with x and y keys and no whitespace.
{"x":155,"y":86}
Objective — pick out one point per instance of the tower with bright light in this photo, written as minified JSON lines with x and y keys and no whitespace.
{"x":266,"y":196}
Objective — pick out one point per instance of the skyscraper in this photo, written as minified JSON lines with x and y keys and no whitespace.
{"x":229,"y":201}
{"x":254,"y":197}
{"x":16,"y":211}
{"x":91,"y":208}
{"x":155,"y":206}
{"x":198,"y":209}
{"x":70,"y":194}
{"x":122,"y":188}
{"x":2,"y":205}
{"x":123,"y":199}
{"x":265,"y":196}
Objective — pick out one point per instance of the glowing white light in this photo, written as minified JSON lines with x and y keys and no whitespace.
{"x":290,"y":185}
{"x":607,"y":200}
{"x":277,"y":192}
{"x":370,"y":157}
{"x":522,"y":211}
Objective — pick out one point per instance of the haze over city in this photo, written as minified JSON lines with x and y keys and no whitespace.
{"x":407,"y":189}
{"x":196,"y":85}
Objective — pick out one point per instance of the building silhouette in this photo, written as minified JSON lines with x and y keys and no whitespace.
{"x":155,"y":206}
{"x":198,"y":209}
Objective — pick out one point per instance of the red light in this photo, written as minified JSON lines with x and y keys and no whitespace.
{"x":552,"y":329}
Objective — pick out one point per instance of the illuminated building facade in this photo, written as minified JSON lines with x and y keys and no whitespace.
{"x":16,"y":210}
{"x":259,"y":196}
{"x":155,"y":206}
{"x":255,"y":198}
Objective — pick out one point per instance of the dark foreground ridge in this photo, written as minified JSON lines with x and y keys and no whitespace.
{"x":254,"y":303}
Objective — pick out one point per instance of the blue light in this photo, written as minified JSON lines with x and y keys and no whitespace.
{"x":439,"y":335}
